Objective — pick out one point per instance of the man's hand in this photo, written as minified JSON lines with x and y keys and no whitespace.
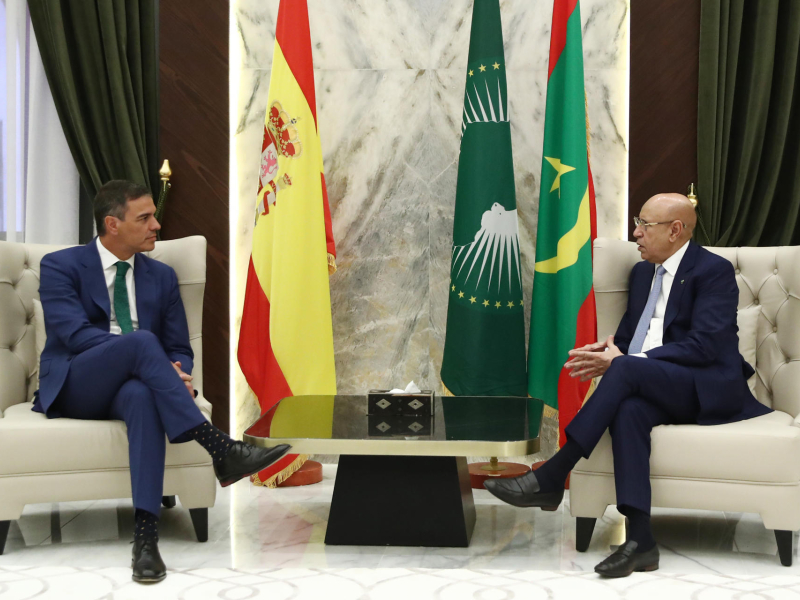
{"x":187,"y":379}
{"x":596,"y":347}
{"x":592,"y":360}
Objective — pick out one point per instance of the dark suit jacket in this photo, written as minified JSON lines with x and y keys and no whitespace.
{"x":77,"y":312}
{"x":700,"y":332}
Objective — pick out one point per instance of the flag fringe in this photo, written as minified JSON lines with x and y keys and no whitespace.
{"x":279,"y":478}
{"x":331,"y":264}
{"x":552,"y":413}
{"x":445,"y":391}
{"x":590,"y":391}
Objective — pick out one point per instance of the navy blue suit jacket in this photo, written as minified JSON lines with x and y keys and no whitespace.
{"x":77,"y":312}
{"x":700,"y":332}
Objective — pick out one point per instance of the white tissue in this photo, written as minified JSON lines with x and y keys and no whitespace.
{"x":411,"y":388}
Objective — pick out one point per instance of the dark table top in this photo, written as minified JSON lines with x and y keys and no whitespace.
{"x":459,"y":426}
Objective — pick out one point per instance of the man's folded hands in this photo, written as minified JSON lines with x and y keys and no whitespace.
{"x":592,"y":360}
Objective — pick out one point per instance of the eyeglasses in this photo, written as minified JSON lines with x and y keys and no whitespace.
{"x":644,"y":224}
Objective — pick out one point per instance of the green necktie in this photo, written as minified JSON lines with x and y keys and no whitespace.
{"x":122,"y":309}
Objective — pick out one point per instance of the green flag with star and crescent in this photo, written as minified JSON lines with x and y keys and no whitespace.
{"x":484,"y":352}
{"x":563,"y":314}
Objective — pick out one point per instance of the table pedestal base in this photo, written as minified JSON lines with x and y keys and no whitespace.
{"x":401,"y":501}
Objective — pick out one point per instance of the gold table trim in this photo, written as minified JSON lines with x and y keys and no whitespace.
{"x":400,"y":447}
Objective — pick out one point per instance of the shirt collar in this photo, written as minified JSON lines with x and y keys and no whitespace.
{"x":107,"y":259}
{"x":673,"y":262}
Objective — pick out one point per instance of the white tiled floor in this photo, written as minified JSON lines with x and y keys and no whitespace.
{"x":269,"y":544}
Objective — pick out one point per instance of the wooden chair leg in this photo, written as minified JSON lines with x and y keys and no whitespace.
{"x":200,"y":522}
{"x":168,"y":501}
{"x":785,"y":549}
{"x":4,"y":527}
{"x":584,"y":527}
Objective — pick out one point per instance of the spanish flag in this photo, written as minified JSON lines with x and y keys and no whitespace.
{"x":286,"y":338}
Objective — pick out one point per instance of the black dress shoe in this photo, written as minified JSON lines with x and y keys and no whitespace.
{"x":626,"y":560}
{"x":146,"y":562}
{"x":243,"y":460}
{"x":524,"y":491}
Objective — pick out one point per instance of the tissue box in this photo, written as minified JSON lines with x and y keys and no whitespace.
{"x":399,"y":425}
{"x":379,"y":402}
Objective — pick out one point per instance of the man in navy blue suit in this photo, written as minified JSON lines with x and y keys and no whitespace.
{"x":674,"y":359}
{"x":118,"y":348}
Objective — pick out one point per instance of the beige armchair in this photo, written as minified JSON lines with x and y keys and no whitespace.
{"x":749,"y":466}
{"x":59,"y":460}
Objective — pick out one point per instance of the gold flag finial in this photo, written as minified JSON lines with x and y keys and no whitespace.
{"x":692,"y":195}
{"x":165,"y":171}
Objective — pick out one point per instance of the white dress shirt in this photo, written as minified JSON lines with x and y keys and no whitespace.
{"x":109,"y":262}
{"x":655,"y":333}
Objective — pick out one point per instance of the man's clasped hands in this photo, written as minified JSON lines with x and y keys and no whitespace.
{"x":592,"y":360}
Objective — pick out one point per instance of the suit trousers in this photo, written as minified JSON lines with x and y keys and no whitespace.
{"x":130,"y":378}
{"x":634,"y":395}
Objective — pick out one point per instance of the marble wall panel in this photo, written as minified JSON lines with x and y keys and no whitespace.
{"x":390,"y":84}
{"x":252,"y":101}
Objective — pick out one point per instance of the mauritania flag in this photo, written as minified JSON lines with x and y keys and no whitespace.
{"x":563,"y":313}
{"x":286,"y":336}
{"x":484,"y":351}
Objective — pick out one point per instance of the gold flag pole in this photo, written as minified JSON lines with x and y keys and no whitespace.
{"x":692,"y":195}
{"x":165,"y":173}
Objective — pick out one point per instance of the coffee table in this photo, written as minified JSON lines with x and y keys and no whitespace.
{"x":402,"y":480}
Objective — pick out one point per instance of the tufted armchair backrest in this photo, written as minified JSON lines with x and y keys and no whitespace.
{"x":19,"y":285}
{"x":767,"y":277}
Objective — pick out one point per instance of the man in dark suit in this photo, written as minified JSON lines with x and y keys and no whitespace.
{"x":674,"y":359}
{"x":118,"y":348}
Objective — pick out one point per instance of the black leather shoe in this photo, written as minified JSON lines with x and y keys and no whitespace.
{"x":626,"y":560}
{"x":524,"y":491}
{"x":146,"y":562}
{"x":243,"y":460}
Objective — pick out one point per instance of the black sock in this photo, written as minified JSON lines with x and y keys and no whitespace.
{"x":215,"y":441}
{"x":639,"y":528}
{"x":146,"y":525}
{"x":552,"y":475}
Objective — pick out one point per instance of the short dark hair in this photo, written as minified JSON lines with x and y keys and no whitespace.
{"x":112,"y":199}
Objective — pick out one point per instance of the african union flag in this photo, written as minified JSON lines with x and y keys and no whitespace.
{"x":484,"y":350}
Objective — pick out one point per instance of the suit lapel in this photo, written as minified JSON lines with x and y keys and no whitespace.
{"x":95,"y":278}
{"x":145,"y":303}
{"x":678,"y":285}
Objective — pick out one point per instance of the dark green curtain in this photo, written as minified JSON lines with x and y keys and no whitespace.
{"x":748,"y":130}
{"x":101,"y":61}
